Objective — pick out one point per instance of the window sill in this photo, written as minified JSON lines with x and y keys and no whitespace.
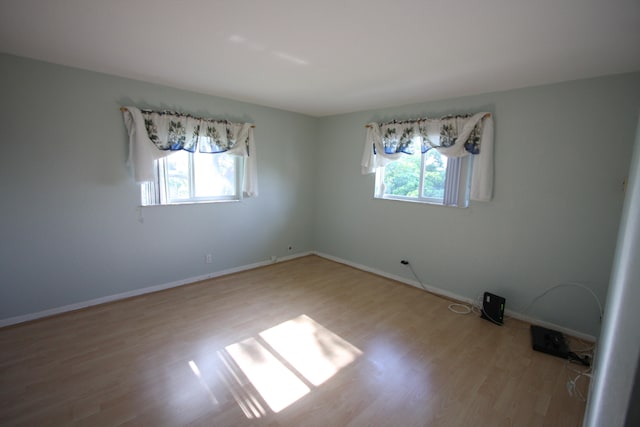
{"x":419,"y":202}
{"x":191,"y":202}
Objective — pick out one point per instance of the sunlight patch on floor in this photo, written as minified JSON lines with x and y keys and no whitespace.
{"x":246,"y":400}
{"x":284,"y":363}
{"x":313,"y":350}
{"x":277,"y":385}
{"x":196,"y":372}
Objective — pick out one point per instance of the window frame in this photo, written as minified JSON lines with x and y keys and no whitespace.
{"x":156,"y":193}
{"x":463,"y":188}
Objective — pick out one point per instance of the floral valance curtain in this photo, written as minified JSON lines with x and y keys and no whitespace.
{"x":452,"y":136}
{"x":156,"y":134}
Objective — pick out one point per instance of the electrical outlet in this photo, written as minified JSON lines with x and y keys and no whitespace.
{"x":208,"y":258}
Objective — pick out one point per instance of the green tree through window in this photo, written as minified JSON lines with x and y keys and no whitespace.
{"x":435,"y":173}
{"x":402,"y":177}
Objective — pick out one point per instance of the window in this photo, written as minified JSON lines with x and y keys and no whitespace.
{"x":178,"y":158}
{"x":401,"y":154}
{"x":426,"y":177}
{"x":185,"y":177}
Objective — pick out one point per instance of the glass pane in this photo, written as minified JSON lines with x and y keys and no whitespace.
{"x":178,"y":175}
{"x":215,"y":175}
{"x":435,"y":173}
{"x":402,"y":177}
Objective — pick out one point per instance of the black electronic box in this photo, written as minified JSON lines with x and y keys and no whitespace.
{"x":493,"y":308}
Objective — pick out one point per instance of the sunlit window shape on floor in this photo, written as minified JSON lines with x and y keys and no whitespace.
{"x":277,"y":385}
{"x":313,"y":350}
{"x":283,"y":364}
{"x":196,"y":372}
{"x":235,"y":382}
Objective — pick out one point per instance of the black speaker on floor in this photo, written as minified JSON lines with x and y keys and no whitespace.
{"x":493,"y":308}
{"x":549,"y":341}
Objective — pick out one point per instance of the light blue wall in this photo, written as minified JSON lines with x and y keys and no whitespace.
{"x":561,"y":154}
{"x":69,"y":228}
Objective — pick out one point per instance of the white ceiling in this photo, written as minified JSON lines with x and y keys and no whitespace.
{"x":333,"y":56}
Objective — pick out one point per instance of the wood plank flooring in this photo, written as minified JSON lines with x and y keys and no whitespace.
{"x":308,"y":342}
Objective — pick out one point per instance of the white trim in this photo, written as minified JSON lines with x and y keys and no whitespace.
{"x":451,"y":295}
{"x":404,"y":280}
{"x":437,"y":291}
{"x":549,"y":325}
{"x":136,"y":292}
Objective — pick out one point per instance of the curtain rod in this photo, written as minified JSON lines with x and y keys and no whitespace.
{"x":123,"y":109}
{"x":484,"y":117}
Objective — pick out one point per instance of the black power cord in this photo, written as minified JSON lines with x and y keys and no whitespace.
{"x":405,"y":262}
{"x":573,"y":357}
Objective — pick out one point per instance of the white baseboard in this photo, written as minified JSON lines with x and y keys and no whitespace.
{"x":136,"y":292}
{"x":456,"y":297}
{"x":404,"y":280}
{"x":549,"y":325}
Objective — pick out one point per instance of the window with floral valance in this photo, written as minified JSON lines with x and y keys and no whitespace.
{"x":454,"y":137}
{"x":154,"y":135}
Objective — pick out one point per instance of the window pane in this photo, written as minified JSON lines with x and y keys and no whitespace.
{"x":402,"y":177}
{"x":178,"y":175}
{"x":215,"y":175}
{"x":435,"y":173}
{"x":185,"y":177}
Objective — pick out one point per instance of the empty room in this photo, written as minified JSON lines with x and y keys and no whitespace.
{"x":338,"y":213}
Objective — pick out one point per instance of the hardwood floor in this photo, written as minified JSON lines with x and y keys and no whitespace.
{"x":308,"y":342}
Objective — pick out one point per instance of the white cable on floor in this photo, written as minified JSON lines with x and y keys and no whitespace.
{"x":460,"y":308}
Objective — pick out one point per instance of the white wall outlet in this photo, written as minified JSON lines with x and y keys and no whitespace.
{"x":208,"y":258}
